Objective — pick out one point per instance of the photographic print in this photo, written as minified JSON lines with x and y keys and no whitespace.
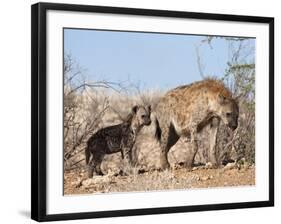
{"x":141,"y":111}
{"x":157,"y":111}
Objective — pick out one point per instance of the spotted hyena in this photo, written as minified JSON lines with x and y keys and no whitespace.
{"x":116,"y":138}
{"x":186,"y":110}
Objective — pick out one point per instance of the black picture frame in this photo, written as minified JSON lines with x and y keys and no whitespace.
{"x":39,"y":107}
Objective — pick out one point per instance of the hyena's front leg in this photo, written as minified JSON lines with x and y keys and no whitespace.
{"x":213,"y":131}
{"x":127,"y":160}
{"x":90,"y":168}
{"x":194,"y":147}
{"x":164,"y":164}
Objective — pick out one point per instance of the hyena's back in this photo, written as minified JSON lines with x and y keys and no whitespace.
{"x":106,"y":141}
{"x":184,"y":104}
{"x":185,"y":96}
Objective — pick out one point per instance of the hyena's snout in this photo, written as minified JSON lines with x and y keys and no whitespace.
{"x":147,"y":121}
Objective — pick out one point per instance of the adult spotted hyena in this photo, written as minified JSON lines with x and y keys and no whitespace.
{"x":186,"y":110}
{"x":116,"y":138}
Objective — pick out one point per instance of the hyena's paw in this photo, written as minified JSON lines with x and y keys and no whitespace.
{"x":90,"y":172}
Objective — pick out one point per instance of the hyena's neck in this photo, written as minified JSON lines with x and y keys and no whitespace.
{"x":135,"y":126}
{"x":129,"y":127}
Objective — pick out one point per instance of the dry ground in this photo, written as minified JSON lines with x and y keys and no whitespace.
{"x":75,"y":181}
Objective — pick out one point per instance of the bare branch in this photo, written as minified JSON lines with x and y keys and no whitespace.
{"x":200,"y":65}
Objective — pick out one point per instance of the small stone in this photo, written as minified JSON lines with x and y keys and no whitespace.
{"x":208,"y":165}
{"x":206,"y":178}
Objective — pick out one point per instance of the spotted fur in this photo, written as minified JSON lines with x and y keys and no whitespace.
{"x":186,"y":110}
{"x":116,"y":138}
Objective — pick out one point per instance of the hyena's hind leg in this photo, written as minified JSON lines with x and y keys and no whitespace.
{"x":193,"y":147}
{"x":192,"y":153}
{"x":88,"y":158}
{"x":96,"y":162}
{"x":90,"y":169}
{"x":169,"y":137}
{"x":94,"y":158}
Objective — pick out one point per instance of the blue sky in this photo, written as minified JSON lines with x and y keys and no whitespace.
{"x":159,"y":61}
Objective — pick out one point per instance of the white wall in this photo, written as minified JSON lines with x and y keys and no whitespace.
{"x":15,"y":109}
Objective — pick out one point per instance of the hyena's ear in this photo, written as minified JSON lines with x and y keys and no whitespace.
{"x":221,"y":99}
{"x":135,"y":109}
{"x":148,"y":108}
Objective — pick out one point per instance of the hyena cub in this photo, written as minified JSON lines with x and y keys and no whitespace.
{"x":116,"y":138}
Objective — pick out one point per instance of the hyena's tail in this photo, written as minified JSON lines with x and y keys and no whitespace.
{"x":87,"y":154}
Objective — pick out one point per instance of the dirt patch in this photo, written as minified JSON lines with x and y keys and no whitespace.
{"x":75,"y":181}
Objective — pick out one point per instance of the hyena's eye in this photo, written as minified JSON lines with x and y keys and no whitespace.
{"x":143,"y":116}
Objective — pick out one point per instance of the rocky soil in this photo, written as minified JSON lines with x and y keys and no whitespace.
{"x":75,"y":181}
